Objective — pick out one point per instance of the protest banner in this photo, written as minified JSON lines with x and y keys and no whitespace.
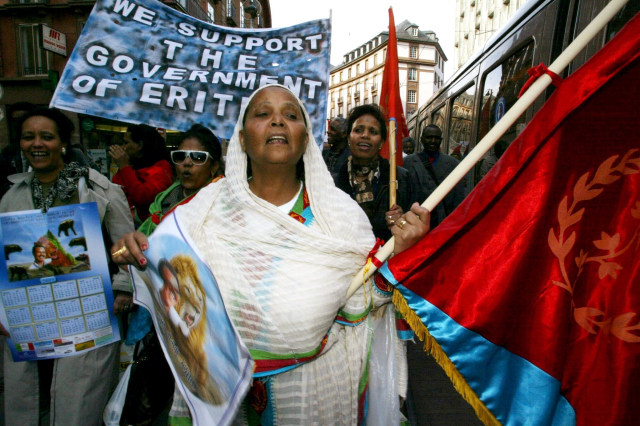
{"x":55,"y":286}
{"x":211,"y":365}
{"x":144,"y":62}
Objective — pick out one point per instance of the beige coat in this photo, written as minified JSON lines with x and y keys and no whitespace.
{"x":81,"y":384}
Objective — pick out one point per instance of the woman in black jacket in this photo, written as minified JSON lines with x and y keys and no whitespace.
{"x":365,"y":176}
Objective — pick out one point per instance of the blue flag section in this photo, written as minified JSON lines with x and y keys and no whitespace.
{"x":143,"y":62}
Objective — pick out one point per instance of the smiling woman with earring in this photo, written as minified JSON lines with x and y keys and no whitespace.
{"x":366,"y":175}
{"x":71,"y":390}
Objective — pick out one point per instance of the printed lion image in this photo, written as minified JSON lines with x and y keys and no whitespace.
{"x":183,"y":299}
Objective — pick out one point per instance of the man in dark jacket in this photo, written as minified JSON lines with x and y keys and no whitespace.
{"x":429,"y":168}
{"x":336,"y":155}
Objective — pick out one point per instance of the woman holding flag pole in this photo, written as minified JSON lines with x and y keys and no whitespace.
{"x":369,"y":178}
{"x":283,"y":243}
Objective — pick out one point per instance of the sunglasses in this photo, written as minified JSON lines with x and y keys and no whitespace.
{"x":197,"y":157}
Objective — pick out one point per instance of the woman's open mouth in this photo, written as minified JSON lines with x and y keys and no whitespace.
{"x":277,"y":140}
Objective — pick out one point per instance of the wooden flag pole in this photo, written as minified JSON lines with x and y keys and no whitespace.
{"x":393,"y":183}
{"x":525,"y":101}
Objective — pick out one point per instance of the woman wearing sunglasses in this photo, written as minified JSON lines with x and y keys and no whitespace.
{"x":144,"y":168}
{"x":198,"y":161}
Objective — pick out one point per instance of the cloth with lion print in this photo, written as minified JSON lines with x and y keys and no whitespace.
{"x":284,"y":283}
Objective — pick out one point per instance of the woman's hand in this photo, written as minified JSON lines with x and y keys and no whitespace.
{"x":128,"y":250}
{"x":118,"y":154}
{"x":122,"y":302}
{"x":392,"y":215}
{"x":410,"y":228}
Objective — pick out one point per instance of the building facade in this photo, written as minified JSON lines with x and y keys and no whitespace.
{"x":477,"y":21}
{"x":358,"y":79}
{"x":29,"y":73}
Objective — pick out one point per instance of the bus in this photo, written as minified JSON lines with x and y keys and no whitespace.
{"x":472,"y":101}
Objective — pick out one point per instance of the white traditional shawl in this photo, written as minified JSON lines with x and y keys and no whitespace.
{"x":282,"y":282}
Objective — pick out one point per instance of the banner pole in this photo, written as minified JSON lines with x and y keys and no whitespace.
{"x":536,"y":89}
{"x":393,"y":183}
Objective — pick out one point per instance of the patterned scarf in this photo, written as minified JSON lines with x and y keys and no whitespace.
{"x":63,"y":188}
{"x":361,"y":179}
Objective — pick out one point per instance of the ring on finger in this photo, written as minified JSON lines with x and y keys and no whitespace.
{"x":119,"y":252}
{"x":402,"y":223}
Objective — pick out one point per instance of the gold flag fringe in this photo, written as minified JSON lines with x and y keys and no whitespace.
{"x":432,"y":347}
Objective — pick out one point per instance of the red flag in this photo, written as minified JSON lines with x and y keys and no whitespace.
{"x":530,"y":289}
{"x":390,"y":94}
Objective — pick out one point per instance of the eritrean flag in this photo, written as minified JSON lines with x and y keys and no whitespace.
{"x":528,"y":294}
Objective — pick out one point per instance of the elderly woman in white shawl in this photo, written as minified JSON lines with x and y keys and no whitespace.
{"x":284,"y":244}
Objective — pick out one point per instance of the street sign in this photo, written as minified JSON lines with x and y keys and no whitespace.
{"x":54,"y":40}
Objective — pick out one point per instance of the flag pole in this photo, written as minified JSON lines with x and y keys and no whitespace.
{"x":525,"y":101}
{"x":393,"y":183}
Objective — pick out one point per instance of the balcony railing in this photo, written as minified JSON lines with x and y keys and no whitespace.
{"x":190,"y":7}
{"x":34,"y":72}
{"x":12,"y":2}
{"x":194,"y":9}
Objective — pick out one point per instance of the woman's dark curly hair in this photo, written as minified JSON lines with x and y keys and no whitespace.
{"x":154,"y":148}
{"x":368,"y":109}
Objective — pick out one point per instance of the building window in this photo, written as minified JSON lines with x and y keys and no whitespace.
{"x":34,"y":59}
{"x":357,"y":69}
{"x":375,"y":59}
{"x":211,"y":12}
{"x":333,"y":80}
{"x":242,"y":22}
{"x":341,"y":76}
{"x":413,"y":52}
{"x":413,"y":31}
{"x":412,"y":97}
{"x":349,"y":73}
{"x":413,"y":74}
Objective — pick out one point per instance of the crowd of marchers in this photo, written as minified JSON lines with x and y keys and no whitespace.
{"x":331,"y":205}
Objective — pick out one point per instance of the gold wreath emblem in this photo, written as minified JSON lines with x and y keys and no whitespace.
{"x":608,"y":246}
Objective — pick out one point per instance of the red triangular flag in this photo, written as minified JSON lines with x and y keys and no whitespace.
{"x":390,"y":94}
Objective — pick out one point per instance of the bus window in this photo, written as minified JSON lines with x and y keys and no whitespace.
{"x":624,"y":16}
{"x":460,"y":122}
{"x":437,"y":118}
{"x":500,"y":91}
